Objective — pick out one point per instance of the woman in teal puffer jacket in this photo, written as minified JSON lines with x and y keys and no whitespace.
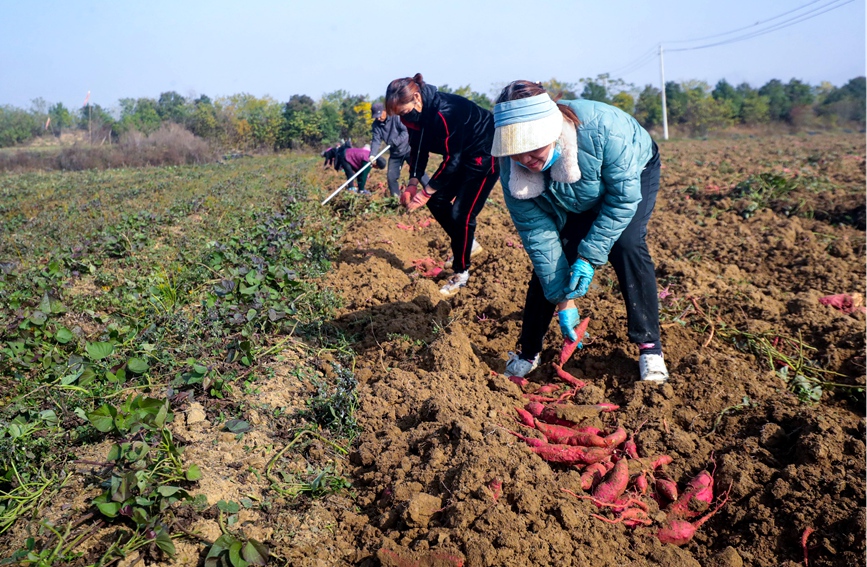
{"x":580,"y":187}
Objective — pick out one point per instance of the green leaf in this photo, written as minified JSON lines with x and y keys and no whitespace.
{"x":229,"y":507}
{"x":57,"y":307}
{"x":109,"y":509}
{"x":137,"y":365}
{"x":238,"y":426}
{"x":160,"y":418}
{"x":168,"y":490}
{"x":255,"y":553}
{"x":63,"y":335}
{"x":87,"y":377}
{"x":99,"y":350}
{"x":235,"y":555}
{"x":38,"y":318}
{"x":194,"y":473}
{"x":140,"y":516}
{"x":114,"y":453}
{"x":164,"y":542}
{"x":48,"y":416}
{"x":102,"y":418}
{"x":45,"y":304}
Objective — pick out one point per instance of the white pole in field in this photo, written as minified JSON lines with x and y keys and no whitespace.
{"x":357,"y":173}
{"x":664,"y":110}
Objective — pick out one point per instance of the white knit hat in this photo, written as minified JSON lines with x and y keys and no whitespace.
{"x":525,"y":124}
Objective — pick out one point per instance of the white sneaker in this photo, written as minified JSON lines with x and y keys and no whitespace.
{"x":455,"y":282}
{"x":652,"y":368}
{"x":473,"y":251}
{"x":517,"y":366}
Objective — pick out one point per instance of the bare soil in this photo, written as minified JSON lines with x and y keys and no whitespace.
{"x":435,"y":401}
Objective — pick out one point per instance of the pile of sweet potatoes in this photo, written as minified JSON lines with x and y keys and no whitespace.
{"x":634,"y":489}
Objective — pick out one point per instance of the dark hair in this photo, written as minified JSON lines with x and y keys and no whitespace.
{"x":400,"y":91}
{"x":526,"y":89}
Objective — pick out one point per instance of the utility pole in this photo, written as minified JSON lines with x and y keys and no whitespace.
{"x":664,"y":111}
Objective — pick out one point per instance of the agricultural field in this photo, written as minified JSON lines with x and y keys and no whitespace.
{"x":200,"y":365}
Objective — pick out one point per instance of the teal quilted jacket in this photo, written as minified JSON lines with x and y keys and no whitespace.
{"x":612,"y":152}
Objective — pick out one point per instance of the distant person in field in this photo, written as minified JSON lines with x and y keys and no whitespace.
{"x":330,"y":156}
{"x":580,"y":180}
{"x":352,"y":160}
{"x":391,"y":131}
{"x":462,"y":132}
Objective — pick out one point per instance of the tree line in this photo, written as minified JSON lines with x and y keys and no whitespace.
{"x":248,"y":122}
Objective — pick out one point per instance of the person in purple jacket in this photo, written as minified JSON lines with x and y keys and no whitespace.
{"x":353,"y":159}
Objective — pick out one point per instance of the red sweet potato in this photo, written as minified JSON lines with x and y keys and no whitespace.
{"x":610,"y":489}
{"x":525,"y":417}
{"x":570,"y":455}
{"x":554,"y":433}
{"x":666,"y":488}
{"x":615,"y":438}
{"x":696,"y":497}
{"x":531,"y":441}
{"x":535,"y":408}
{"x":570,"y":346}
{"x":568,"y":378}
{"x":630,"y":448}
{"x":631,"y":517}
{"x":547,"y":389}
{"x":634,"y":517}
{"x":641,"y":483}
{"x":541,"y":399}
{"x":568,"y":436}
{"x":592,"y":475}
{"x":566,"y":454}
{"x":549,"y":415}
{"x":521,"y":382}
{"x":496,"y":488}
{"x":678,"y":531}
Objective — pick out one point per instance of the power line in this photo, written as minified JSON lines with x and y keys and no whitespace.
{"x":745,"y":27}
{"x":778,"y":26}
{"x":637,"y":64}
{"x":649,"y":53}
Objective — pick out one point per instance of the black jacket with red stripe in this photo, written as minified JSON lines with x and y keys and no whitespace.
{"x":452,"y":126}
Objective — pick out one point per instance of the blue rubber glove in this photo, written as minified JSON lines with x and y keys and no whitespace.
{"x":582,"y":275}
{"x":569,"y":319}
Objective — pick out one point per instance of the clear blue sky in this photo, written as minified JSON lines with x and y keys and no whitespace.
{"x":60,"y":49}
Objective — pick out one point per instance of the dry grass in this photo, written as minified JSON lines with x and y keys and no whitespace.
{"x":170,"y":145}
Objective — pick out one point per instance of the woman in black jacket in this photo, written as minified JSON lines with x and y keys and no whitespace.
{"x":462,"y":132}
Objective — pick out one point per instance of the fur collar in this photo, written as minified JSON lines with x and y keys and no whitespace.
{"x":526,"y":184}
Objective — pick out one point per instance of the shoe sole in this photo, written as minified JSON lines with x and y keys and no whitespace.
{"x":451,"y":292}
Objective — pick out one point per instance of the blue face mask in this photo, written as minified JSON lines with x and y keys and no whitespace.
{"x":552,"y":157}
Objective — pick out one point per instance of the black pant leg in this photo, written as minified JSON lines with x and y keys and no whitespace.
{"x":538,"y":311}
{"x":347,"y":169}
{"x":469,"y":201}
{"x":440,"y":206}
{"x":395,"y":164}
{"x":456,"y":206}
{"x":634,"y":267}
